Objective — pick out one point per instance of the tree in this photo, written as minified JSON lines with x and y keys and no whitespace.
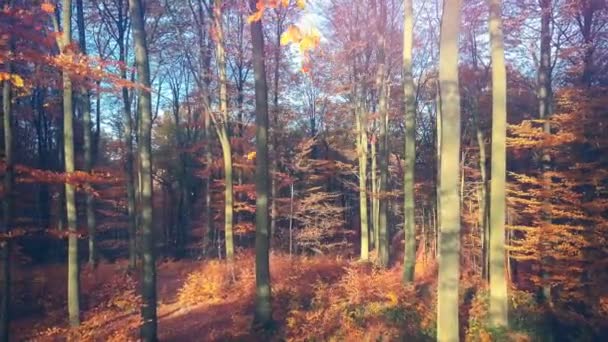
{"x":148,"y":328}
{"x":545,"y":110}
{"x":221,"y":124}
{"x":361,"y":122}
{"x":115,"y":19}
{"x":85,"y":109}
{"x":122,"y":24}
{"x":263,"y":308}
{"x":64,"y":42}
{"x":498,"y":281}
{"x":409,"y":211}
{"x":383,"y":155}
{"x":280,"y":17}
{"x":7,"y":204}
{"x":449,"y":242}
{"x":474,"y":86}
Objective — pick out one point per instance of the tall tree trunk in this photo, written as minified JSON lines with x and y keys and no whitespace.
{"x":148,"y":328}
{"x":498,"y":281}
{"x":361,"y":119}
{"x":545,"y":98}
{"x":130,"y":160}
{"x":375,"y":199}
{"x":85,"y":108}
{"x":438,"y":133}
{"x":483,"y":190}
{"x":483,"y":193}
{"x":60,"y":202}
{"x":64,"y":42}
{"x":178,"y":237}
{"x":7,"y":206}
{"x":383,"y":231}
{"x":208,"y":181}
{"x":409,"y":210}
{"x":449,"y":243}
{"x":122,"y":39}
{"x":240,"y":99}
{"x":263,"y":308}
{"x":97,"y":123}
{"x":222,"y":130}
{"x":205,"y":82}
{"x":275,"y":126}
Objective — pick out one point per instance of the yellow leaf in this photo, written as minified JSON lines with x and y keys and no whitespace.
{"x":301,"y":4}
{"x":310,"y":41}
{"x":393,"y":298}
{"x":292,"y":34}
{"x":251,"y":155}
{"x":17,"y":81}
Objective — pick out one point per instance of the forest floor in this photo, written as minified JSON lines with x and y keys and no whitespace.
{"x":319,"y":297}
{"x":314,"y":298}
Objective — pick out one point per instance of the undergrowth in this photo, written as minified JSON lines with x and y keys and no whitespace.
{"x":314,"y":299}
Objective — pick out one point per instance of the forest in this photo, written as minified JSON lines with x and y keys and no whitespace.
{"x":304,"y":170}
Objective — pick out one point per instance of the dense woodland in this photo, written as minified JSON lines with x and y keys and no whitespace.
{"x":255,"y":170}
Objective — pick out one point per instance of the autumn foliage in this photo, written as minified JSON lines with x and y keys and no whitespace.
{"x":329,"y":65}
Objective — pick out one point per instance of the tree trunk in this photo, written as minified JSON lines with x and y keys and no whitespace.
{"x":449,"y":243}
{"x":438,"y":133}
{"x":64,"y":42}
{"x":205,"y":55}
{"x":97,"y":123}
{"x":498,"y":282}
{"x":275,"y":127}
{"x":383,"y":231}
{"x":85,"y":108}
{"x":483,"y":192}
{"x":222,"y":131}
{"x":208,"y":182}
{"x":545,"y":97}
{"x":228,"y":195}
{"x":181,"y":222}
{"x":148,"y":328}
{"x":291,"y":194}
{"x":361,"y":120}
{"x":7,"y":206}
{"x":375,"y":200}
{"x":130,"y":160}
{"x":409,"y":210}
{"x":263,"y":308}
{"x":128,"y":136}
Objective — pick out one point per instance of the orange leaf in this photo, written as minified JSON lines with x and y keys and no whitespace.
{"x":47,"y":7}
